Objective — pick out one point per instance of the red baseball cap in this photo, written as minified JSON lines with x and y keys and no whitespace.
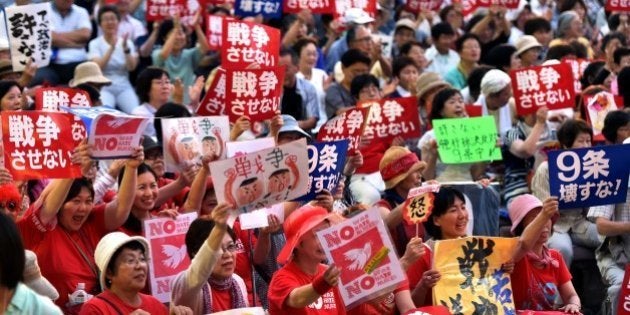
{"x":297,"y":224}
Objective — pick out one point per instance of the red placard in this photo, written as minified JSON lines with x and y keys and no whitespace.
{"x":349,"y":125}
{"x":391,"y":118}
{"x":417,"y":6}
{"x":473,"y":110}
{"x":510,"y":4}
{"x":341,"y":6}
{"x":40,"y":144}
{"x":245,"y":43}
{"x":623,"y":306}
{"x":214,"y":30}
{"x":315,"y":6}
{"x":213,"y":103}
{"x":550,"y":86}
{"x":158,"y":10}
{"x":254,"y":93}
{"x":52,"y":98}
{"x":618,"y":5}
{"x":577,"y":66}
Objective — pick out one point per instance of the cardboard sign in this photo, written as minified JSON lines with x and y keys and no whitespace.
{"x":623,"y":306}
{"x":264,"y":178}
{"x":245,"y":43}
{"x":167,"y":244}
{"x":551,"y":86}
{"x":361,"y":248}
{"x":40,"y":144}
{"x":341,"y":6}
{"x":590,"y":176}
{"x":51,"y":99}
{"x":30,"y":35}
{"x":249,"y":146}
{"x":418,"y":6}
{"x":187,"y":140}
{"x":258,"y":218}
{"x":254,"y":93}
{"x":419,"y":204}
{"x":466,"y":140}
{"x":214,"y":30}
{"x":577,"y":67}
{"x":315,"y":6}
{"x":112,"y":134}
{"x":158,"y":10}
{"x":267,"y":8}
{"x":472,"y":278}
{"x":349,"y":125}
{"x":597,"y":107}
{"x":618,"y":5}
{"x":326,"y":161}
{"x":213,"y":103}
{"x":391,"y":118}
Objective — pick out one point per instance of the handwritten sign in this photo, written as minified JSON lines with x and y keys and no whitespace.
{"x":40,"y":144}
{"x":473,"y":281}
{"x":245,"y":43}
{"x":167,"y":244}
{"x":419,"y":204}
{"x":186,"y":140}
{"x":597,"y":108}
{"x":590,"y":176}
{"x":315,"y":6}
{"x":417,"y":6}
{"x":30,"y":35}
{"x":213,"y":103}
{"x":349,"y":125}
{"x":249,"y":146}
{"x":391,"y":118}
{"x":360,"y":247}
{"x":254,"y":93}
{"x":267,"y":8}
{"x":551,"y":86}
{"x":618,"y":5}
{"x":264,"y":178}
{"x":465,"y":140}
{"x":326,"y":161}
{"x":51,"y":99}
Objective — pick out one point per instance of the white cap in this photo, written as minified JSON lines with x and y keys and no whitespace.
{"x":357,"y":16}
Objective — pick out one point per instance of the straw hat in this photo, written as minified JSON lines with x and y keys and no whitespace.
{"x":297,"y":224}
{"x":526,"y":43}
{"x":33,"y":277}
{"x":108,"y":245}
{"x":427,"y":81}
{"x":397,"y":163}
{"x":521,"y":206}
{"x":88,"y":72}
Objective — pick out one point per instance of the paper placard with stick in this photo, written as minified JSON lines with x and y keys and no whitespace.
{"x":419,"y":205}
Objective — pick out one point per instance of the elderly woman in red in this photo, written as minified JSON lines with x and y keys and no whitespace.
{"x":63,"y":227}
{"x":304,"y":285}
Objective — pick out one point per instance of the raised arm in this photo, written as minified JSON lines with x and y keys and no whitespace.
{"x":117,"y":211}
{"x":198,"y":186}
{"x":303,"y":296}
{"x":532,"y":231}
{"x":526,"y":149}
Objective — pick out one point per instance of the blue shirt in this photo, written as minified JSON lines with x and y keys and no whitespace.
{"x":26,"y":301}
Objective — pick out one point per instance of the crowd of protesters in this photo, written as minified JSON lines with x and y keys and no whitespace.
{"x":75,"y":246}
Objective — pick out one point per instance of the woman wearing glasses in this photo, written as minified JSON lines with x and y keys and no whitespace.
{"x":209,"y":284}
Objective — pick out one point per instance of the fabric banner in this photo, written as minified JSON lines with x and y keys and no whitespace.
{"x":473,"y":281}
{"x":269,"y":9}
{"x":51,"y":99}
{"x":349,"y":125}
{"x":361,"y":248}
{"x":187,"y":140}
{"x":597,"y":107}
{"x":326,"y":161}
{"x":213,"y":103}
{"x":552,"y":86}
{"x":618,"y":5}
{"x":590,"y":176}
{"x":264,"y":178}
{"x":418,"y":6}
{"x":244,"y":43}
{"x":391,"y":118}
{"x":40,"y":144}
{"x":466,"y":140}
{"x":167,"y":244}
{"x":254,"y":93}
{"x":30,"y":35}
{"x":315,"y":6}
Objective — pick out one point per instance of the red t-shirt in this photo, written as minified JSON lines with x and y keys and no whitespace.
{"x":60,"y":261}
{"x":535,"y":288}
{"x":107,"y":303}
{"x":243,"y":266}
{"x":415,"y":272}
{"x":291,"y":277}
{"x":372,"y":155}
{"x":221,"y":300}
{"x":368,"y":308}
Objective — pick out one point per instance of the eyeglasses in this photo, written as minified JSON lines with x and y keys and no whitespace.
{"x":12,"y":206}
{"x":134,"y":261}
{"x":230,"y":248}
{"x":161,"y":82}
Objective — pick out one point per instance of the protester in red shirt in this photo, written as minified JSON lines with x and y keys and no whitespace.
{"x":304,"y":285}
{"x":540,"y":276}
{"x":122,"y":261}
{"x":63,"y":227}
